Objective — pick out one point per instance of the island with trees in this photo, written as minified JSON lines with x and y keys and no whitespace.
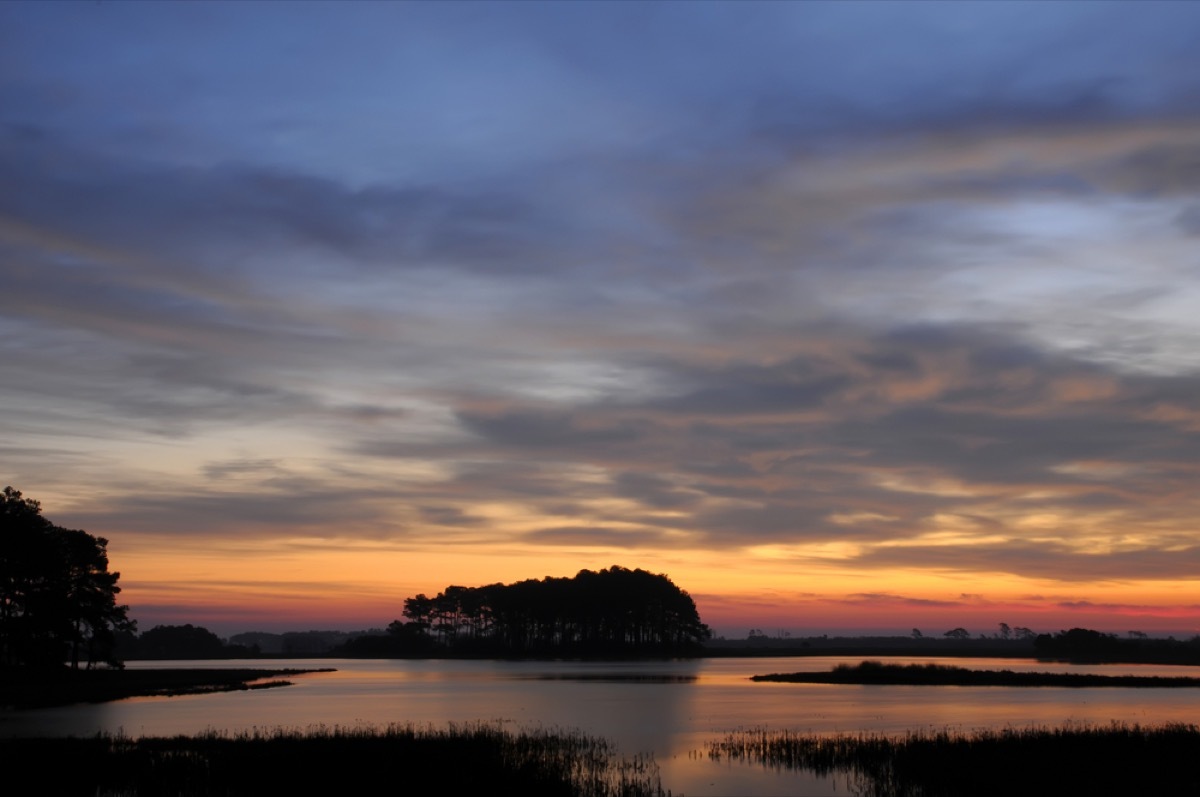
{"x":881,"y":674}
{"x":611,"y":612}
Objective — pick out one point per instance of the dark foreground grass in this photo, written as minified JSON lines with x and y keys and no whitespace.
{"x":1117,"y":759}
{"x":478,"y":759}
{"x":874,"y":672}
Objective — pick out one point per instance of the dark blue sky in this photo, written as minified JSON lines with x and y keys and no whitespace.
{"x":882,"y":301}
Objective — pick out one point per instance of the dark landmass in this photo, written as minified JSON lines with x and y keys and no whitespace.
{"x":473,"y":759}
{"x":291,"y":644}
{"x":1034,"y":762}
{"x":1078,"y":645}
{"x":58,"y":599}
{"x":171,"y":642}
{"x":395,"y":645}
{"x":869,"y":646}
{"x":876,"y":673}
{"x":611,"y":613}
{"x":41,"y":688}
{"x":415,"y":640}
{"x":1084,"y":646}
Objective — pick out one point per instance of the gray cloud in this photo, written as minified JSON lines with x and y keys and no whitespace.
{"x":597,"y":537}
{"x":1045,"y":561}
{"x":731,"y":288}
{"x":557,"y":430}
{"x":887,"y":597}
{"x":218,"y":220}
{"x":272,"y":507}
{"x":448,"y":516}
{"x":652,"y":491}
{"x":1004,"y":429}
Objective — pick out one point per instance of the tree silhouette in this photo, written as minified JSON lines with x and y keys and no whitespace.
{"x":57,"y":596}
{"x":180,"y":642}
{"x":610,"y":611}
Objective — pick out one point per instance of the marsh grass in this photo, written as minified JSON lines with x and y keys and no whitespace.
{"x":399,"y":759}
{"x":1117,"y":759}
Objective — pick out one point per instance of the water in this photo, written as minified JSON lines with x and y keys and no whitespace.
{"x":668,"y":708}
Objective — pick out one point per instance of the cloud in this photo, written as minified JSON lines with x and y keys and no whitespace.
{"x":1046,"y":560}
{"x":534,"y":429}
{"x":925,"y":428}
{"x":732,"y":290}
{"x":256,"y":512}
{"x":448,"y":516}
{"x":885,"y":598}
{"x":597,"y":537}
{"x":215,"y":222}
{"x":652,"y":491}
{"x":1127,"y":609}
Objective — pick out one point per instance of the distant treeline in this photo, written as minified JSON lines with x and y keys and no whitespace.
{"x":297,"y":643}
{"x":615,"y":611}
{"x":179,"y":642}
{"x":196,"y":642}
{"x":1085,"y":645}
{"x":764,"y":646}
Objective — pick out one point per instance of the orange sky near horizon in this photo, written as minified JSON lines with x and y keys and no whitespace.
{"x":239,"y":588}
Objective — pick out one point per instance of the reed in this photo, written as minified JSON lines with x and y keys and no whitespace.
{"x":1116,"y":759}
{"x":475,"y":758}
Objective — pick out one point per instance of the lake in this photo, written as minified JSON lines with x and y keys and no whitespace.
{"x":668,"y":708}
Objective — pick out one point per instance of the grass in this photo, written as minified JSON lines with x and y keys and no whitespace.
{"x":1117,"y":759}
{"x":874,"y":672}
{"x":399,"y":759}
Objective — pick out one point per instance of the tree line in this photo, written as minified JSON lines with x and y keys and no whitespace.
{"x":615,"y":611}
{"x":1086,"y":645}
{"x":58,"y":599}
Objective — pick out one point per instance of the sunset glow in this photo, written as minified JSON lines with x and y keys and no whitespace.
{"x":848,"y":317}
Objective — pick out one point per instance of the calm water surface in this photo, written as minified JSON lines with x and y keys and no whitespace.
{"x":669,"y":708}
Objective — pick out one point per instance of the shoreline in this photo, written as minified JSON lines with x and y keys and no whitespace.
{"x":874,"y":673}
{"x":22,"y":689}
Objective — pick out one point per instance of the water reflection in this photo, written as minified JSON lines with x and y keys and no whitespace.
{"x":618,"y":678}
{"x":668,"y":708}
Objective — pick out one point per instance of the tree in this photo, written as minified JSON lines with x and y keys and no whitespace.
{"x":57,"y":596}
{"x":958,"y":633}
{"x":1005,"y":631}
{"x":1078,"y":644}
{"x":180,"y":642}
{"x":615,"y":610}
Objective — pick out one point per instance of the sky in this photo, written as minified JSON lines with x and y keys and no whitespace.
{"x":849,"y":317}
